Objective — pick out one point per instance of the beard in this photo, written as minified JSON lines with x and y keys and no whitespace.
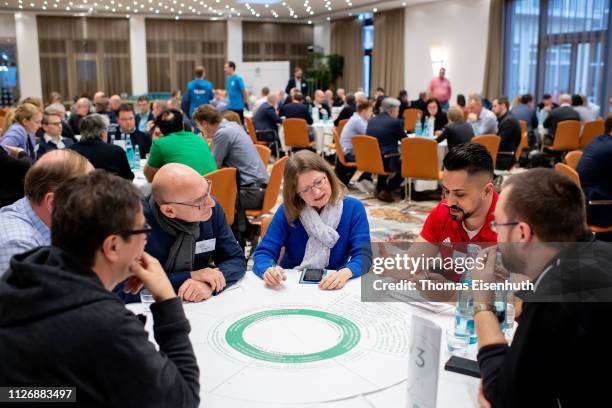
{"x":462,"y":216}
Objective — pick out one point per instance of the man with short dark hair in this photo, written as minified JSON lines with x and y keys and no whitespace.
{"x":526,"y":112}
{"x":52,"y":137}
{"x":75,"y":326}
{"x":144,"y":114}
{"x":265,"y":92}
{"x":296,"y":108}
{"x":127,"y":128}
{"x":178,"y":146}
{"x":297,"y":82}
{"x":25,"y":224}
{"x":236,"y":91}
{"x":541,"y":233}
{"x":440,"y":89}
{"x":199,"y":92}
{"x":509,"y":130}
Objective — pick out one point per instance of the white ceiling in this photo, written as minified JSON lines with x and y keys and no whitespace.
{"x":266,"y":10}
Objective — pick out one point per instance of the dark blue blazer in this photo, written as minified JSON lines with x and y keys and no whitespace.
{"x":266,"y":118}
{"x":291,"y":85}
{"x":596,"y":179}
{"x":44,"y":147}
{"x":388,"y":130}
{"x":297,"y":111}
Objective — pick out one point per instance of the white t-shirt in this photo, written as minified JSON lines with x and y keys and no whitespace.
{"x":471,"y":234}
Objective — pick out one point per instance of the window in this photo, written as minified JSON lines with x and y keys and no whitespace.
{"x":8,"y":72}
{"x":558,"y":46}
{"x":368,"y":45}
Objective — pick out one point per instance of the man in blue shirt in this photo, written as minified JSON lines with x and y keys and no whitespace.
{"x":199,"y":92}
{"x":25,"y":223}
{"x":190,"y":236}
{"x":236,"y":92}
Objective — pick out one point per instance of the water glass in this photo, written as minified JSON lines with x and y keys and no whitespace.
{"x":146,"y":298}
{"x":456,"y":343}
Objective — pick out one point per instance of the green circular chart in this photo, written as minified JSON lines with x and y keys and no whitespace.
{"x":235,"y":338}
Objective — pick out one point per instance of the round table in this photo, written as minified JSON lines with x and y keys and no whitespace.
{"x":299,"y":346}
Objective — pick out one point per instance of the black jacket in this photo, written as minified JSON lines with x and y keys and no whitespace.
{"x":266,"y":118}
{"x":561,"y":346}
{"x":74,"y":122}
{"x":509,"y":130}
{"x":346,"y":113}
{"x":388,"y":130}
{"x":59,"y":326}
{"x":105,"y":156}
{"x":43,"y":146}
{"x":291,"y":85}
{"x":143,"y":140}
{"x":456,"y":133}
{"x":296,"y":110}
{"x":440,"y":121}
{"x":13,"y":175}
{"x":559,"y":115}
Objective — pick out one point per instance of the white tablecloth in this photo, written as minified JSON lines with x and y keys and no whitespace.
{"x":322,"y":131}
{"x":140,"y":180}
{"x":250,"y":294}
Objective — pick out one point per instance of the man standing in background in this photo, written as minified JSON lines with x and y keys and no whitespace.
{"x":236,"y":92}
{"x":200,"y":91}
{"x":298,"y":82}
{"x":440,"y":88}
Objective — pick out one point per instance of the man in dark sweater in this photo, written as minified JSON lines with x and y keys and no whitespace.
{"x":561,"y":345}
{"x":127,"y":127}
{"x":190,"y":235}
{"x":296,"y":109}
{"x":509,"y":130}
{"x":560,"y":114}
{"x":66,"y":329}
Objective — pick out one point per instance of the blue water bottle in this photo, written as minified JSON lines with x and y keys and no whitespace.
{"x":129,"y":151}
{"x":418,"y":130}
{"x":464,"y":311}
{"x":325,"y":116}
{"x":136,"y":157}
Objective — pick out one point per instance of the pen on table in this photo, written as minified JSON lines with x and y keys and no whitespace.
{"x":278,"y":271}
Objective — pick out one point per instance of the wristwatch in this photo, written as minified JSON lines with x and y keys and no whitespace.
{"x":484,"y":307}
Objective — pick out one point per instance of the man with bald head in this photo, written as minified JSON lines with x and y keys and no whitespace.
{"x":82,"y":108}
{"x":190,"y":235}
{"x":115,"y":104}
{"x":25,"y":223}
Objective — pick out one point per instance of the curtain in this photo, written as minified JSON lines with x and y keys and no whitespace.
{"x":388,"y":52}
{"x":277,"y":42}
{"x":175,"y":48}
{"x":346,"y":41}
{"x":84,"y":55}
{"x":492,"y":87}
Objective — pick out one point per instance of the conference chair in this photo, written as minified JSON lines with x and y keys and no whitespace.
{"x":341,"y":125}
{"x":523,"y":125}
{"x":225,"y":190}
{"x":272,"y":190}
{"x":573,"y":158}
{"x":522,"y":146}
{"x":590,"y":131}
{"x":265,"y":223}
{"x":419,"y":161}
{"x":411,"y":115}
{"x":339,"y":153}
{"x":264,"y":153}
{"x":491,"y":142}
{"x":253,"y":134}
{"x":568,"y":171}
{"x":296,"y":134}
{"x":368,"y":157}
{"x":567,"y":137}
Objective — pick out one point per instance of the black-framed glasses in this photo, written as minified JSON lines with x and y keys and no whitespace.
{"x":144,"y":230}
{"x":316,"y":184}
{"x":494,"y":225}
{"x":200,"y":202}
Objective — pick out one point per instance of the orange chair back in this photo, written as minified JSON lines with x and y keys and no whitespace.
{"x":572,"y":158}
{"x":567,"y":136}
{"x":273,"y":188}
{"x":411,"y":116}
{"x":339,"y":152}
{"x":265,"y":223}
{"x":296,"y":133}
{"x":420,"y":158}
{"x":590,"y":131}
{"x":523,"y":127}
{"x":568,"y":171}
{"x":251,"y":129}
{"x":491,"y":142}
{"x":341,"y":126}
{"x":224,"y":189}
{"x":264,"y":153}
{"x":368,"y":157}
{"x":522,"y":146}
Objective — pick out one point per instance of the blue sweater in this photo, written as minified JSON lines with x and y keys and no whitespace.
{"x":227,"y":255}
{"x":353,"y":249}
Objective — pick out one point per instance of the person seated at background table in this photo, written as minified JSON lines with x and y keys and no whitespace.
{"x":420,"y":103}
{"x":265,"y":91}
{"x":578,"y":104}
{"x":190,"y":236}
{"x":101,"y":154}
{"x":509,"y":130}
{"x":80,"y":330}
{"x":560,"y":114}
{"x":318,"y":226}
{"x":127,"y":128}
{"x":321,"y":104}
{"x":296,"y":109}
{"x":483,"y":120}
{"x":461,"y":102}
{"x":547,"y":103}
{"x":177,"y":146}
{"x":144,"y":114}
{"x":157,"y":107}
{"x":175,"y":103}
{"x":434,"y":116}
{"x":404,"y":103}
{"x":596,"y":178}
{"x":22,"y":131}
{"x":103,"y":108}
{"x":526,"y":112}
{"x":57,"y":109}
{"x":25,"y":223}
{"x":266,"y":120}
{"x":559,"y":348}
{"x":379,"y":96}
{"x":82,"y":108}
{"x":115,"y":104}
{"x":339,"y":98}
{"x":349,"y":107}
{"x":456,"y":131}
{"x":389,"y":130}
{"x":52,"y":135}
{"x":356,"y":125}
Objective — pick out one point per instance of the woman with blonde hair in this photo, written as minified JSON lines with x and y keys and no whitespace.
{"x":319,"y":227}
{"x":22,"y":133}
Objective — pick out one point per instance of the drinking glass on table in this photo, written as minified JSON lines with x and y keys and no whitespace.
{"x":456,"y":343}
{"x":146,"y":298}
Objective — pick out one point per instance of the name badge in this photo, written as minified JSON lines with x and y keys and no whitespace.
{"x":207,"y":245}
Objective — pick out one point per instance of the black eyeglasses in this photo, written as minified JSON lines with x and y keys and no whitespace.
{"x":144,"y":230}
{"x":494,"y":225}
{"x":199,"y":203}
